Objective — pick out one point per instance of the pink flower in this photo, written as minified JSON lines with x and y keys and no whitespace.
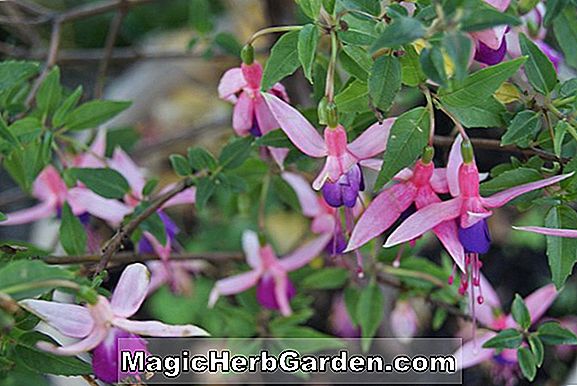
{"x":558,"y":232}
{"x":467,"y":207}
{"x":325,"y":218}
{"x":341,"y":173}
{"x":176,"y":274}
{"x":490,"y":44}
{"x":99,"y":326}
{"x":404,"y":320}
{"x":490,"y":314}
{"x":340,"y":320}
{"x":241,"y":87}
{"x":418,"y":186}
{"x":269,"y":274}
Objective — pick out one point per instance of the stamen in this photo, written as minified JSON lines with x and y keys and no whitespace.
{"x":360,"y":271}
{"x":451,"y":279}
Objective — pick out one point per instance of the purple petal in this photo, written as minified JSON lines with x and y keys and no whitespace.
{"x":476,"y":238}
{"x":265,"y":292}
{"x":346,"y":190}
{"x":486,"y":55}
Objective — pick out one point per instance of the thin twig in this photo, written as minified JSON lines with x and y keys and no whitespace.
{"x":131,"y":257}
{"x":115,"y":243}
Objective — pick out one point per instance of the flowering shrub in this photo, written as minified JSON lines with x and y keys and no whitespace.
{"x":394,"y":85}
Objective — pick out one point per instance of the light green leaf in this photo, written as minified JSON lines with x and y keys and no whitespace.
{"x":94,"y":113}
{"x":61,"y":113}
{"x":538,"y":67}
{"x":356,"y":61}
{"x":487,"y":17}
{"x":480,"y":85}
{"x":6,"y":134}
{"x":354,"y":98}
{"x":283,"y":60}
{"x":412,"y":73}
{"x":384,"y":82}
{"x":487,"y":114}
{"x":307,"y":48}
{"x":72,"y":232}
{"x":401,"y":31}
{"x":408,"y":138}
{"x":370,"y":310}
{"x":311,"y":8}
{"x":200,"y":159}
{"x":458,"y":46}
{"x":50,"y":92}
{"x":180,"y":165}
{"x":561,"y":251}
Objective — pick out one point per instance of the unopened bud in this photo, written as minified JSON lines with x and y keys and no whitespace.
{"x":261,"y":239}
{"x":89,"y":294}
{"x":247,"y":54}
{"x":332,"y":115}
{"x":322,"y":111}
{"x":467,"y":151}
{"x":428,"y":155}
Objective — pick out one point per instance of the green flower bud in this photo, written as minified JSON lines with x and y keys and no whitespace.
{"x":428,"y":155}
{"x":467,"y":151}
{"x":247,"y":54}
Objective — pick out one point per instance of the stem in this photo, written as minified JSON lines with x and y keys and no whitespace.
{"x":564,"y":101}
{"x":41,"y":284}
{"x":270,"y":30}
{"x":427,"y":93}
{"x":408,"y":273}
{"x":330,"y":84}
{"x":262,"y":202}
{"x":130,"y":257}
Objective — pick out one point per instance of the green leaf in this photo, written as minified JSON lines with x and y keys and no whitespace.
{"x":274,"y":138}
{"x":537,"y":349}
{"x":228,"y":42}
{"x":354,"y":98}
{"x":92,"y":114}
{"x":200,"y":159}
{"x":200,"y":16}
{"x":2,"y":217}
{"x":204,"y":190}
{"x":552,"y":333}
{"x":50,"y":92}
{"x":509,"y":338}
{"x":385,"y":82}
{"x":480,"y":85}
{"x":520,"y":313}
{"x":19,"y":278}
{"x":180,"y":165}
{"x":509,"y":179}
{"x":552,"y":10}
{"x":351,"y":298}
{"x":311,"y":8}
{"x":560,"y":130}
{"x":409,"y":135}
{"x":433,"y":64}
{"x":370,"y":310}
{"x":6,"y":134}
{"x":370,"y":6}
{"x":527,"y":363}
{"x":458,"y":46}
{"x":152,"y":224}
{"x":72,"y":232}
{"x":487,"y":17}
{"x":561,"y":251}
{"x":105,"y":182}
{"x":307,"y":48}
{"x":522,"y":129}
{"x":360,"y":30}
{"x":235,"y":153}
{"x":538,"y":67}
{"x":149,"y":187}
{"x":356,"y":61}
{"x":487,"y":114}
{"x":412,"y":73}
{"x":401,"y":31}
{"x":13,"y":73}
{"x":61,"y":113}
{"x":326,"y":278}
{"x":565,"y":30}
{"x":42,"y":362}
{"x":283,"y":60}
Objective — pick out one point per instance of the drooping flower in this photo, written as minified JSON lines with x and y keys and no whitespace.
{"x":490,"y":314}
{"x":325,"y":218}
{"x":467,"y":207}
{"x":418,"y":186}
{"x":341,"y":173}
{"x":269,"y":273}
{"x":177,"y":274}
{"x":251,"y":116}
{"x":490,"y":44}
{"x":404,"y":320}
{"x":340,"y":321}
{"x":99,"y":326}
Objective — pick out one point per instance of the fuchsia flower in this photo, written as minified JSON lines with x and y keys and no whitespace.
{"x":340,"y":320}
{"x":269,"y":274}
{"x":468,"y":208}
{"x":490,"y":44}
{"x":176,"y":274}
{"x":490,"y":314}
{"x":404,"y":320}
{"x":418,"y":187}
{"x":241,"y":87}
{"x":325,"y":218}
{"x":341,"y":178}
{"x":99,"y":326}
{"x":559,"y":232}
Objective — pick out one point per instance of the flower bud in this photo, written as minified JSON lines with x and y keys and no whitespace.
{"x":322,"y":111}
{"x":247,"y":54}
{"x":332,"y":115}
{"x":89,"y":294}
{"x":467,"y":151}
{"x":428,"y":155}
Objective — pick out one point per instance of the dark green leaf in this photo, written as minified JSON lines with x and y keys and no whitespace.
{"x":351,"y":298}
{"x":356,"y":61}
{"x":486,"y":114}
{"x":311,"y":8}
{"x":433,"y":65}
{"x":520,"y":312}
{"x":149,"y":187}
{"x":408,"y":137}
{"x":370,"y":6}
{"x":326,"y":278}
{"x":200,"y":159}
{"x":105,"y":182}
{"x":307,"y":48}
{"x":204,"y":190}
{"x":92,"y":114}
{"x":274,"y":138}
{"x":72,"y":233}
{"x":561,"y":251}
{"x":553,"y":334}
{"x":13,"y":73}
{"x":522,"y":129}
{"x":508,"y":338}
{"x":283,"y":60}
{"x":360,"y":30}
{"x":17,"y":275}
{"x":565,"y":30}
{"x":537,"y":349}
{"x":180,"y":165}
{"x":6,"y":134}
{"x":480,"y":85}
{"x":552,"y":10}
{"x":50,"y":92}
{"x":412,"y":73}
{"x":509,"y":179}
{"x":354,"y":98}
{"x":154,"y":225}
{"x":527,"y":363}
{"x":235,"y":153}
{"x":2,"y":217}
{"x":538,"y":67}
{"x":487,"y":17}
{"x":401,"y":31}
{"x":370,"y":310}
{"x":61,"y":113}
{"x":384,"y":82}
